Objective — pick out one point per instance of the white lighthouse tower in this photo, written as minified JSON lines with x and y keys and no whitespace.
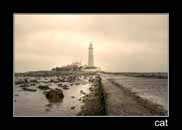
{"x":90,"y":56}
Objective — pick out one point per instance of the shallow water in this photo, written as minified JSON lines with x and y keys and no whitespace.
{"x":35,"y":103}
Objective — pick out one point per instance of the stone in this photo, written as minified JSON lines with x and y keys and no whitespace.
{"x":43,"y":87}
{"x":52,"y":81}
{"x":34,"y":81}
{"x":54,"y":95}
{"x":32,"y":84}
{"x":77,"y":83}
{"x":91,"y":88}
{"x":19,"y":81}
{"x":48,"y":105}
{"x":26,"y":80}
{"x":82,"y":92}
{"x":91,"y":80}
{"x":72,"y":96}
{"x":23,"y":85}
{"x":47,"y":109}
{"x":73,"y":107}
{"x":29,"y":89}
{"x":65,"y":87}
{"x":60,"y":85}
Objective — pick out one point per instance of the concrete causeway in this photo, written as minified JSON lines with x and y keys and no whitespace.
{"x":118,"y":102}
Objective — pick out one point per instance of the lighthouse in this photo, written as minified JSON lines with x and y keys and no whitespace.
{"x":90,"y":56}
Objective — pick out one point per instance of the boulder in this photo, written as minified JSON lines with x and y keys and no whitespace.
{"x":54,"y":95}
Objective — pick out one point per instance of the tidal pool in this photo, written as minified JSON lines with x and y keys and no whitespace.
{"x":28,"y":103}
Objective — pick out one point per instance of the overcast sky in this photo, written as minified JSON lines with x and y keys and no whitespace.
{"x":122,"y":42}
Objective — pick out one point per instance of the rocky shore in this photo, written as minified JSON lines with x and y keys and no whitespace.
{"x":94,"y":104}
{"x":79,"y":93}
{"x":83,"y":94}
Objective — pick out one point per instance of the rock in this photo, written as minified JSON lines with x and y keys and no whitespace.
{"x":82,"y":92}
{"x":61,"y":79}
{"x":52,"y":81}
{"x":48,"y":105}
{"x":72,"y":96}
{"x":43,"y":87}
{"x":65,"y":87}
{"x":60,"y":85}
{"x":26,"y":80}
{"x":54,"y":95}
{"x":23,"y":85}
{"x":91,"y":80}
{"x":91,"y":88}
{"x":29,"y":89}
{"x":71,"y":78}
{"x":34,"y":81}
{"x":45,"y":82}
{"x":47,"y":109}
{"x":57,"y":80}
{"x":32,"y":84}
{"x":73,"y":107}
{"x":77,"y":83}
{"x":164,"y":113}
{"x":19,"y":81}
{"x":44,"y":92}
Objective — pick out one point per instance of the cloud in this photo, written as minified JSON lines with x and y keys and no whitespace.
{"x":121,"y":42}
